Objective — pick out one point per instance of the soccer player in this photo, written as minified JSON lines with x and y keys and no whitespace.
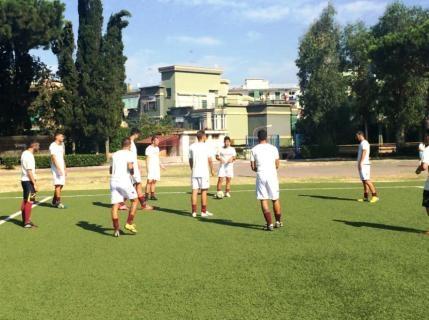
{"x":153,"y":166}
{"x":364,"y":167}
{"x":200,"y":161}
{"x":264,"y":160}
{"x":137,"y":178}
{"x":121,"y":186}
{"x":424,"y":164}
{"x":226,"y":157}
{"x":28,"y":183}
{"x":58,"y":168}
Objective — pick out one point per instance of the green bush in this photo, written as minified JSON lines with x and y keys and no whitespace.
{"x":319,"y":151}
{"x":72,"y":160}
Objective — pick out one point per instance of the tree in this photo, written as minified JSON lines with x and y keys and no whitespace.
{"x":67,"y":102}
{"x":89,"y":66}
{"x":403,"y":86}
{"x":357,"y":40}
{"x":321,"y":79}
{"x":113,"y":75}
{"x":24,"y":25}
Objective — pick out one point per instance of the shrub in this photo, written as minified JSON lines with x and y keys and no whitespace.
{"x":72,"y":160}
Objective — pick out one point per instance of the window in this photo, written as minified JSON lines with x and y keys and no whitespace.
{"x":252,"y":94}
{"x":277,"y":95}
{"x":204,"y":104}
{"x":168,"y":93}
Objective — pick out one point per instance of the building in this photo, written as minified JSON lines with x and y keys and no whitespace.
{"x":131,"y":101}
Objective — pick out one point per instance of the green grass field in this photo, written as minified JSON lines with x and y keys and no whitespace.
{"x":335,"y":258}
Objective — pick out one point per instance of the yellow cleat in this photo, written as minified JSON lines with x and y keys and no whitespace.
{"x":131,"y":228}
{"x":363,"y":200}
{"x":374,"y":199}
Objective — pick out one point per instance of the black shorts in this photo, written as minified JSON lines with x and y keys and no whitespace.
{"x":425,"y":202}
{"x":28,"y":191}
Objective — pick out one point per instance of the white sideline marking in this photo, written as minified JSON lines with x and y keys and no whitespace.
{"x":236,"y":191}
{"x":13,"y":215}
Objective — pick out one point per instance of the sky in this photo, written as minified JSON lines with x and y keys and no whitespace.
{"x":246,"y":38}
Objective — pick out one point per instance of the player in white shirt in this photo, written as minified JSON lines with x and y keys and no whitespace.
{"x":364,"y":167}
{"x":137,"y":178}
{"x":265,"y":161}
{"x":422,"y":148}
{"x":153,"y":166}
{"x":200,"y":161}
{"x":226,"y":156}
{"x":424,"y":165}
{"x":58,"y":168}
{"x":121,"y":186}
{"x":28,"y":183}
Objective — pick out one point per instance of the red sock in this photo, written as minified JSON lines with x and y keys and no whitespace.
{"x":227,"y":190}
{"x":27,"y":212}
{"x":194,"y":208}
{"x":268,"y":219}
{"x":203,"y":209}
{"x":278,"y":217}
{"x":365,"y":195}
{"x":23,"y":211}
{"x":374,"y":194}
{"x":130,"y":218}
{"x":115,"y":224}
{"x":152,"y":194}
{"x":142,"y":200}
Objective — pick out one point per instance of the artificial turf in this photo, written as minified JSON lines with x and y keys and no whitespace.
{"x":334,"y":259}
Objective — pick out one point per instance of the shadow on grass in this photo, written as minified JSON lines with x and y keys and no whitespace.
{"x":14,"y":221}
{"x":360,"y":224}
{"x":46,"y":205}
{"x":101,"y":204}
{"x":95,"y":228}
{"x":326,"y":197}
{"x":224,"y":222}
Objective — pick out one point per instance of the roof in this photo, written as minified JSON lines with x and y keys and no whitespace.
{"x":191,"y":69}
{"x":164,"y":141}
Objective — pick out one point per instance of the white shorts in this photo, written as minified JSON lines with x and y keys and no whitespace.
{"x":365,"y":172}
{"x":267,"y":188}
{"x":137,"y":177}
{"x":200,"y":183}
{"x":58,"y":180}
{"x":154,"y":174}
{"x":226,"y":171}
{"x":121,"y":190}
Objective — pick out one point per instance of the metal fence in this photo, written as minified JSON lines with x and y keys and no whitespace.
{"x":252,"y":141}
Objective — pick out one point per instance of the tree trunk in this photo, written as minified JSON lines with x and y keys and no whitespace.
{"x":107,"y":147}
{"x":73,"y":147}
{"x":365,"y":124}
{"x":97,"y":147}
{"x":400,"y":135}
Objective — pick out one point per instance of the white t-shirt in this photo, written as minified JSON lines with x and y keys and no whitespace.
{"x":133,"y":150}
{"x":226,"y":154}
{"x":119,"y":163}
{"x":425,"y":159}
{"x":265,"y":156}
{"x":58,"y":151}
{"x":27,"y":163}
{"x":153,"y":153}
{"x":200,"y":153}
{"x":422,"y":148}
{"x":364,"y":145}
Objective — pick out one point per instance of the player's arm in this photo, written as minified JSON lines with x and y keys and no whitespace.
{"x":253,"y":165}
{"x":147,"y":162}
{"x":131,"y":168}
{"x":422,"y":167}
{"x":277,"y":164}
{"x":110,"y":169}
{"x":55,"y":163}
{"x":211,"y":166}
{"x":363,"y":155}
{"x":32,"y":179}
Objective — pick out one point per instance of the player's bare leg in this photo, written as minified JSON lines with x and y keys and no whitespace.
{"x":228,"y":187}
{"x":115,"y":219}
{"x":141,"y":197}
{"x":152,"y":190}
{"x":372,"y":189}
{"x":204,"y":212}
{"x":147,"y":188}
{"x":219,"y":184}
{"x":427,"y":212}
{"x":267,"y":215}
{"x":194,"y":200}
{"x":277,"y":213}
{"x":57,"y":195}
{"x":130,"y":226}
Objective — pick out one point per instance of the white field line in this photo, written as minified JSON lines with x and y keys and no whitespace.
{"x":237,"y":191}
{"x":13,"y":215}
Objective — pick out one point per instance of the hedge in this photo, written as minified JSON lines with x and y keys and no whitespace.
{"x":72,"y":160}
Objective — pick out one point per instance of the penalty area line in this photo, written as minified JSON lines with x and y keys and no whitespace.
{"x":13,"y":215}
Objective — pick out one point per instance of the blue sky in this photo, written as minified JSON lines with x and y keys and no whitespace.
{"x":247,"y":38}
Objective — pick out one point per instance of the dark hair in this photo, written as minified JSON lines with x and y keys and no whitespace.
{"x":227,"y":139}
{"x":135,"y":131}
{"x":30,"y":143}
{"x":200,"y":135}
{"x":153,"y":138}
{"x":360,"y":133}
{"x":262,"y":135}
{"x":57,"y":133}
{"x":126,"y":142}
{"x":427,"y":132}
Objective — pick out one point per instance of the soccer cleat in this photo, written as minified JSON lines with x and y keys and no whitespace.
{"x":147,"y":207}
{"x":374,"y":199}
{"x":278,"y":224}
{"x":30,"y":225}
{"x":154,"y":198}
{"x":131,"y":228}
{"x":117,"y":233}
{"x":363,"y":200}
{"x":268,"y":227}
{"x":209,"y":214}
{"x":194,"y":214}
{"x":204,"y":215}
{"x":60,"y":206}
{"x":228,"y":195}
